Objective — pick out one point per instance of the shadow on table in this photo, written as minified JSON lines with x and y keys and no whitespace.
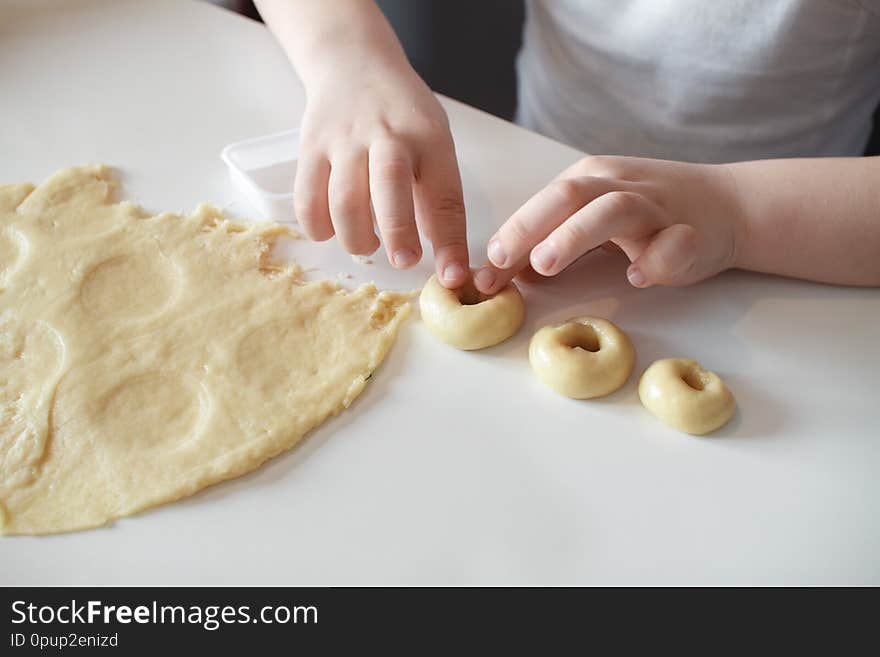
{"x":717,"y":322}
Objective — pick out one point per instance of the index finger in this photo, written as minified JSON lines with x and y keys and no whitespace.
{"x":440,"y":213}
{"x":541,"y":214}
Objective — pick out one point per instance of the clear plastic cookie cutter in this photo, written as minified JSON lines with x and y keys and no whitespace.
{"x":263,"y":169}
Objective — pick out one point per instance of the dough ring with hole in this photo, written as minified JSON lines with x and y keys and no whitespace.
{"x":467,"y":319}
{"x":582,"y":358}
{"x":685,"y":396}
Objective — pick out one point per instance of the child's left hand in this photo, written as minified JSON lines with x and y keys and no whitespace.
{"x":678,"y":223}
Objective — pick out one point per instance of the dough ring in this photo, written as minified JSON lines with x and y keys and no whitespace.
{"x":685,"y":396}
{"x":467,"y":319}
{"x":582,"y":358}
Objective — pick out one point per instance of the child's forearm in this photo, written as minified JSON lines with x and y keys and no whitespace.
{"x":817,"y":219}
{"x":324,"y":39}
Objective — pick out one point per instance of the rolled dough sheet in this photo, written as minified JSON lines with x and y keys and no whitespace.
{"x":143,"y":358}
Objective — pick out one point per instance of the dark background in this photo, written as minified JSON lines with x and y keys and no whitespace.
{"x":466,"y":50}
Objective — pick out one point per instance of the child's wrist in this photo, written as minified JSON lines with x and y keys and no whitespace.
{"x":350,"y":69}
{"x":738,"y":216}
{"x":327,"y":60}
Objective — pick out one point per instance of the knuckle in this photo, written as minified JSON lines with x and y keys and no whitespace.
{"x":687,"y":236}
{"x":445,"y":223}
{"x":432,"y":127}
{"x":396,"y":224}
{"x":345,"y":206}
{"x":435,"y":143}
{"x":386,"y":142}
{"x":317,"y":141}
{"x":308,"y":157}
{"x":664,"y":264}
{"x":449,"y":206}
{"x":310,"y":139}
{"x":687,"y":232}
{"x":453,"y":238}
{"x":455,"y":244}
{"x":440,"y":144}
{"x":394,"y":167}
{"x":594,"y":162}
{"x":574,"y":232}
{"x":567,"y":190}
{"x":310,"y":148}
{"x":381,"y":130}
{"x":606,"y":166}
{"x":598,"y":162}
{"x":619,"y":203}
{"x":517,"y":231}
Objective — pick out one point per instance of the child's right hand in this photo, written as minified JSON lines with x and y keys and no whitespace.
{"x":374,"y":132}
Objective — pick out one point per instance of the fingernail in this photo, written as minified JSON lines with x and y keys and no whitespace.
{"x":636,"y":277}
{"x":496,"y":253}
{"x":453,"y":273}
{"x":484,"y":279}
{"x":543,"y":257}
{"x":404,"y":258}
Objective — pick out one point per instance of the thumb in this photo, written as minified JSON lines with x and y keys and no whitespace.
{"x":668,"y":259}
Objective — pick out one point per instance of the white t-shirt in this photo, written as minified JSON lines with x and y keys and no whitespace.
{"x":702,"y":80}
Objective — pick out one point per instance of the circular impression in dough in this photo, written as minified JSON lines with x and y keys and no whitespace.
{"x":468,"y":319}
{"x":685,"y":396}
{"x":582,"y":358}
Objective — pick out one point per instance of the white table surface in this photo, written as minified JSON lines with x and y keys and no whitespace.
{"x":457,"y":468}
